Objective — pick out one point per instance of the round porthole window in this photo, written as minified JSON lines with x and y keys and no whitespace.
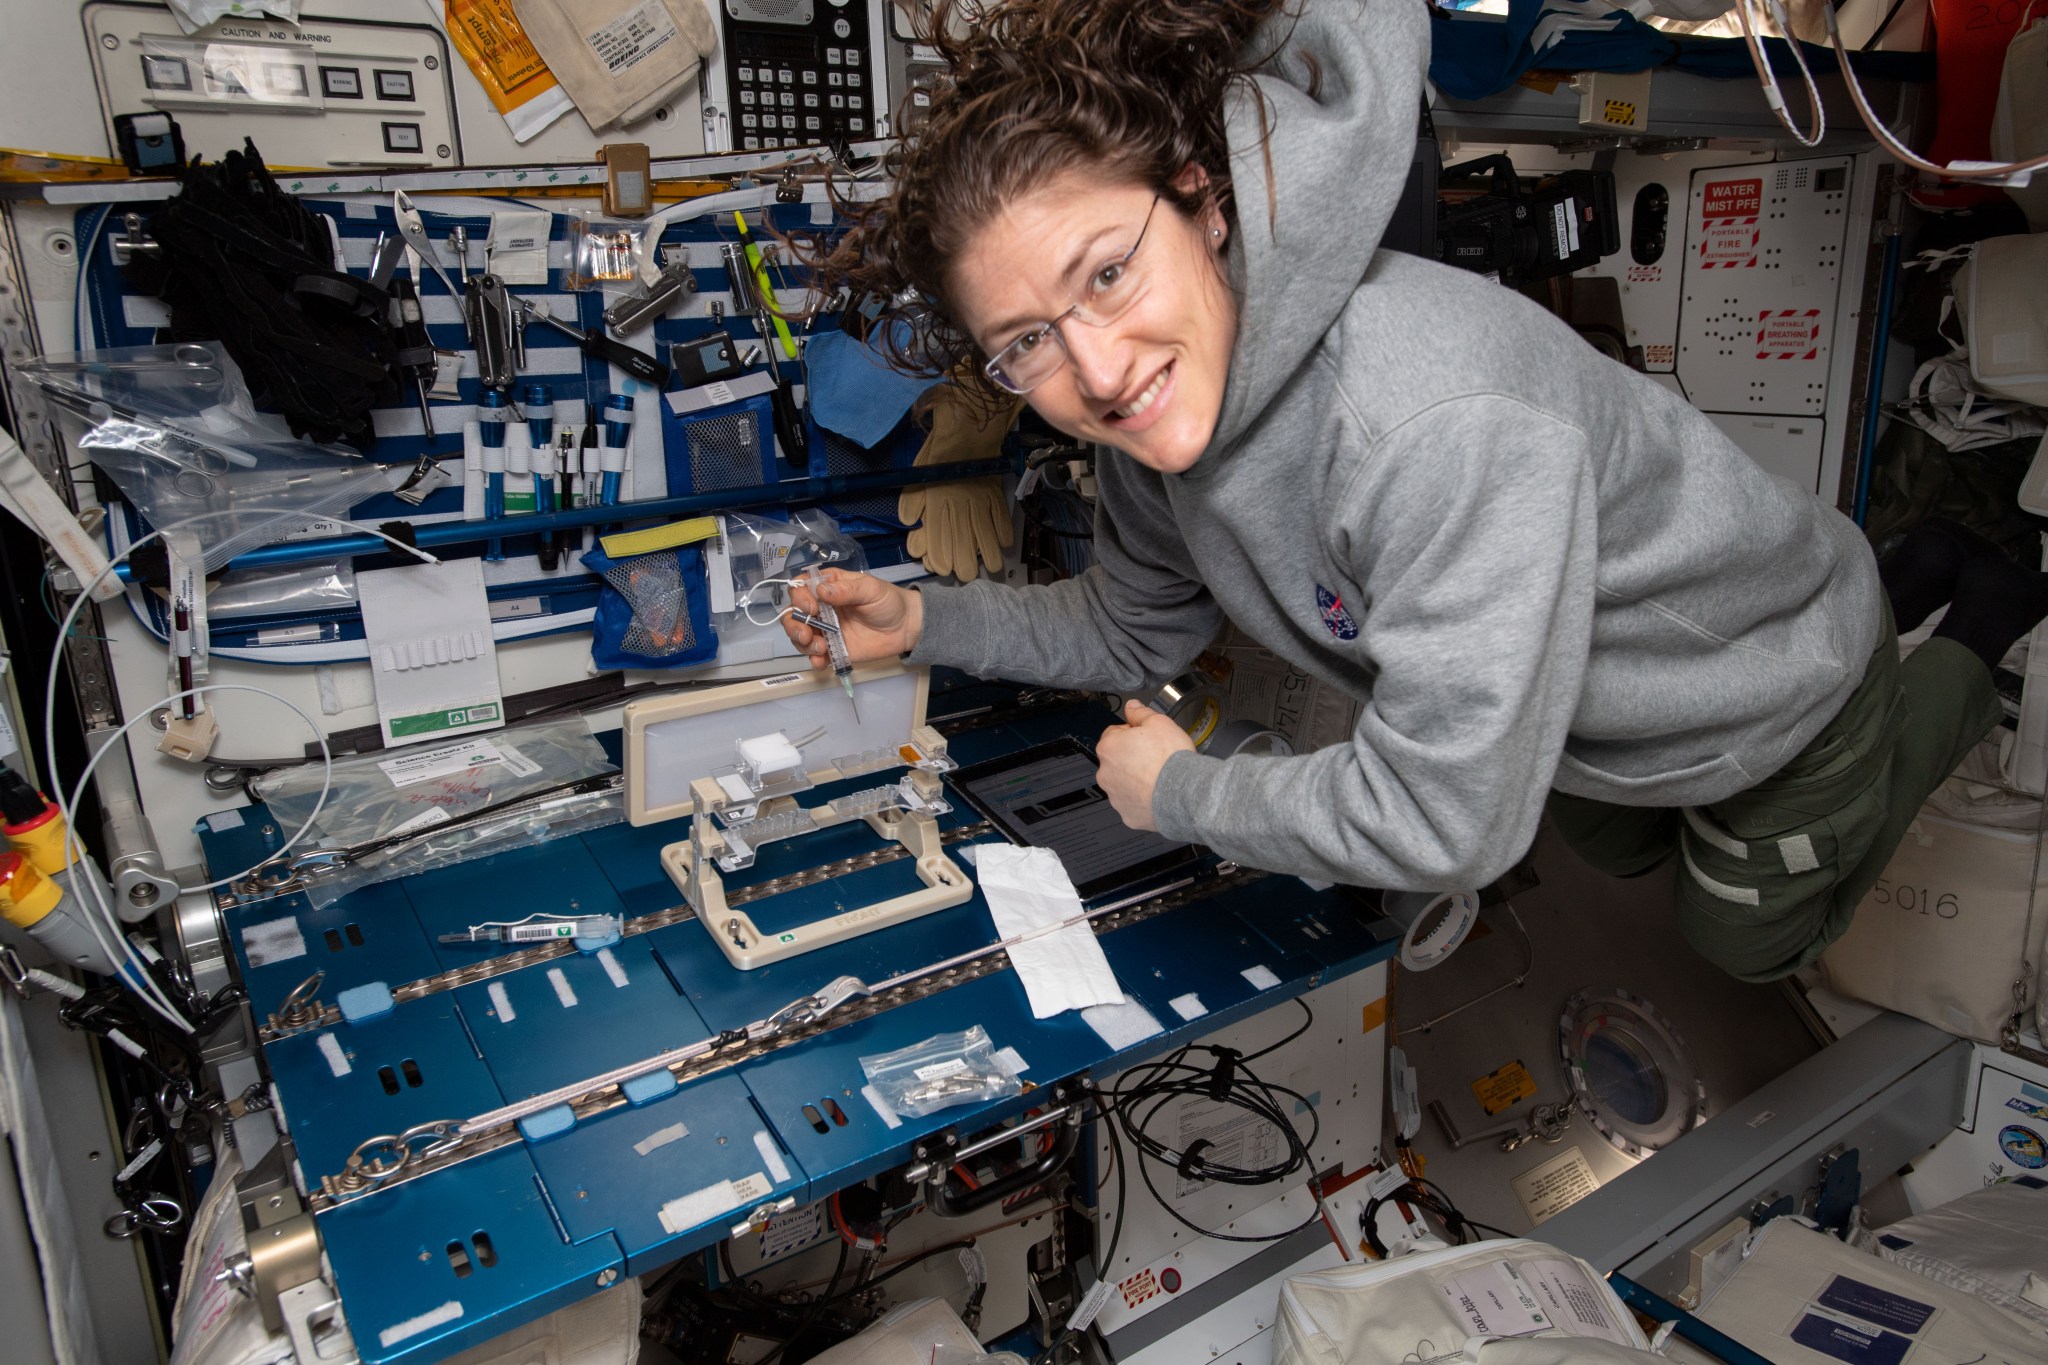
{"x":1631,"y":1072}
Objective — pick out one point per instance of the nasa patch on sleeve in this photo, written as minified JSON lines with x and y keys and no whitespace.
{"x":1335,"y":616}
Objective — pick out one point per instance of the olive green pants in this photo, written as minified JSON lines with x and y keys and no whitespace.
{"x":1770,"y":877}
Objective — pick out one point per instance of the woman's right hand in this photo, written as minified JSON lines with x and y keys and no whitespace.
{"x":877,"y":619}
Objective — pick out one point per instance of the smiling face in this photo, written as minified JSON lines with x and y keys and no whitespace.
{"x":1150,"y":383}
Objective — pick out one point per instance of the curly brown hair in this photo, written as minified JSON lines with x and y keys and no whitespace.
{"x":1127,"y":90}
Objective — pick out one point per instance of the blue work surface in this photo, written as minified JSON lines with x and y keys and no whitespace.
{"x":441,"y":1262}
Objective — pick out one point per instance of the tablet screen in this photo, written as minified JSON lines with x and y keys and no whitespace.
{"x":1047,"y":797}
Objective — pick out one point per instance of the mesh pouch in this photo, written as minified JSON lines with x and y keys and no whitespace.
{"x":653,"y":587}
{"x":653,"y":610}
{"x":721,"y":448}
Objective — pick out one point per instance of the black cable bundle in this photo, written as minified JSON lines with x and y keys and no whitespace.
{"x":1147,"y":1089}
{"x":1430,"y":1198}
{"x":244,"y":263}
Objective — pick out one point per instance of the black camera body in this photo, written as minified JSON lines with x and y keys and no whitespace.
{"x":1522,"y":233}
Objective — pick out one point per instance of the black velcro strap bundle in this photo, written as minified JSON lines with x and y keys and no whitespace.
{"x":246,"y":264}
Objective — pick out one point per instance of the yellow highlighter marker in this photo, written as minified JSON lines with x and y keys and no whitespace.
{"x":764,"y":289}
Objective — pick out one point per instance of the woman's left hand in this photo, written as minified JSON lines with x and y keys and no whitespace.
{"x":1131,"y":756}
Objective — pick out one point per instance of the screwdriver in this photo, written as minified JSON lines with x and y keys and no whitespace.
{"x":638,"y":364}
{"x":414,"y":353}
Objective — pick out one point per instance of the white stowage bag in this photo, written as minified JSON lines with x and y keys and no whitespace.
{"x":1944,"y":933}
{"x":1798,"y":1286}
{"x":1991,"y":1242}
{"x":1501,"y":1303}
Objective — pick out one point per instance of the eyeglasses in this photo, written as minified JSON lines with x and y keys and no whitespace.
{"x":1113,"y":289}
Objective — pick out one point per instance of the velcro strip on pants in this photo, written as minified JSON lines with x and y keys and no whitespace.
{"x":1728,"y":844}
{"x":1797,"y":851}
{"x":1740,"y":895}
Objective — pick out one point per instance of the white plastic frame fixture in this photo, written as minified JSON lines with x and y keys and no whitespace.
{"x":691,"y":864}
{"x":700,"y":730}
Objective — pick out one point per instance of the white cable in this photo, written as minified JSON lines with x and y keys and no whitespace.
{"x":1774,"y":95}
{"x":746,"y":602}
{"x":118,"y":950}
{"x":1886,"y":139}
{"x":326,"y":759}
{"x":1899,"y":149}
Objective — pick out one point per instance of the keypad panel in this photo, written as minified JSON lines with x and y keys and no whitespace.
{"x":800,"y":85}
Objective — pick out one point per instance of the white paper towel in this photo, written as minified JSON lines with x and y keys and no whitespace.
{"x":1028,"y":888}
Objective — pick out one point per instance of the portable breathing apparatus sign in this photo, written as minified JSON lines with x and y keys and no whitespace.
{"x":1788,"y":334}
{"x":1730,"y":227}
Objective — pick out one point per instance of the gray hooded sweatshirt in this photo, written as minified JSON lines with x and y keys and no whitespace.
{"x":1532,"y":566}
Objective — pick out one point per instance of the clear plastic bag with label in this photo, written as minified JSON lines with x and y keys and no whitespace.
{"x":524,"y":823}
{"x":940,"y":1072}
{"x":763,"y":555}
{"x":377,"y":795}
{"x":603,"y":254}
{"x":329,"y":585}
{"x":174,"y":428}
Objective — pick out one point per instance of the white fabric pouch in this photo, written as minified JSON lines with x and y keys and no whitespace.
{"x":2002,"y":294}
{"x":619,"y":60}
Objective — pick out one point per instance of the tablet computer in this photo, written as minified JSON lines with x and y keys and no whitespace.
{"x":1047,"y":797}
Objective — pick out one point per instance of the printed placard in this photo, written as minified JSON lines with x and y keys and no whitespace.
{"x":1730,"y":223}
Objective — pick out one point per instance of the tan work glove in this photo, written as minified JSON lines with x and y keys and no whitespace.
{"x":963,"y":525}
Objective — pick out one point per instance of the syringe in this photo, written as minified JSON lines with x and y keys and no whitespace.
{"x":826,"y":622}
{"x":538,"y":929}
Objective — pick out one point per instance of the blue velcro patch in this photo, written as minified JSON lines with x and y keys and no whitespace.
{"x":648,"y":1088}
{"x":547,"y":1123}
{"x":371,"y":1000}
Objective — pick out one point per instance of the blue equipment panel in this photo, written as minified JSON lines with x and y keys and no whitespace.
{"x":577,"y":1205}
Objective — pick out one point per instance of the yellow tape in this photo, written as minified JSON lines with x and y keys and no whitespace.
{"x":625,"y":544}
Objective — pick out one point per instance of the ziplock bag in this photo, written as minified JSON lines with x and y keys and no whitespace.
{"x":383,"y":793}
{"x":523,"y":823}
{"x":941,"y":1071}
{"x":326,"y":586}
{"x":175,"y":430}
{"x":759,"y":555}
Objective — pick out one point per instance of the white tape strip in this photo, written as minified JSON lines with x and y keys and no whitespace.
{"x":501,"y":1001}
{"x":274,"y":940}
{"x":771,"y":1156}
{"x":1261,"y":977}
{"x":701,"y":1206}
{"x":661,"y":1137}
{"x":882,"y":1106}
{"x":564,"y":992}
{"x":1188,"y":1006}
{"x":337,"y":1060}
{"x":611,"y":967}
{"x":425,"y":1322}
